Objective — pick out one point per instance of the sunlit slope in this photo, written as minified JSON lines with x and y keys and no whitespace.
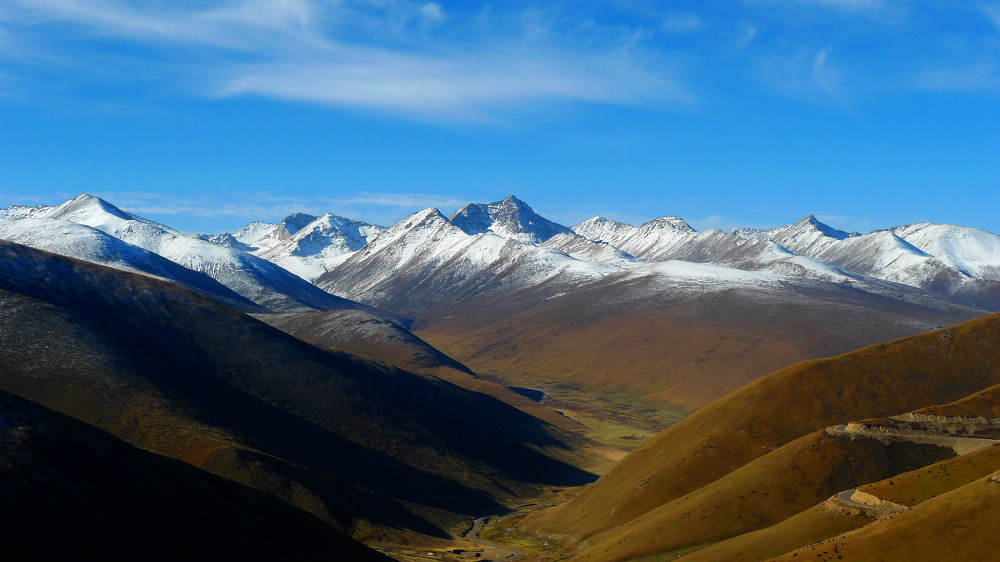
{"x":825,"y":520}
{"x":810,"y":526}
{"x":958,"y":525}
{"x":670,"y":339}
{"x":885,"y":379}
{"x":73,"y":492}
{"x":358,"y":444}
{"x":759,"y":494}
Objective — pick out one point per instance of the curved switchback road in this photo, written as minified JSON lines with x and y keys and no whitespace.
{"x":847,"y":497}
{"x":474,"y":537}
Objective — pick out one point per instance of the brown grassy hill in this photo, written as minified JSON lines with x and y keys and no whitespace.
{"x":361,"y":445}
{"x":72,"y":492}
{"x":760,"y":494}
{"x":959,"y":525}
{"x":810,"y":526}
{"x":363,"y":333}
{"x":920,"y":485}
{"x":885,"y":379}
{"x":635,"y":342}
{"x":985,"y":403}
{"x":819,"y":523}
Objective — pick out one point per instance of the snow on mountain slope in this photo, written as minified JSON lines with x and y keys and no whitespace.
{"x":584,"y":249}
{"x":256,"y":279}
{"x":808,"y":236}
{"x":254,"y":236}
{"x":23,"y":212}
{"x":225,"y":239}
{"x":260,"y":236}
{"x":673,"y":239}
{"x":320,"y":245}
{"x":425,"y":259}
{"x":93,"y":245}
{"x":971,"y":251}
{"x":604,"y":231}
{"x":651,"y":241}
{"x":510,"y":218}
{"x":915,"y":255}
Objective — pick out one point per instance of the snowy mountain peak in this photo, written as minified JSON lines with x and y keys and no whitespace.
{"x":810,"y":222}
{"x":296,"y":222}
{"x":675,"y":223}
{"x":421,"y":219}
{"x":598,"y":222}
{"x":83,"y":205}
{"x":509,"y":218}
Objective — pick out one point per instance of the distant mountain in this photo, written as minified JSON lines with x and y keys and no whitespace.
{"x":320,"y":245}
{"x":96,"y":246}
{"x":252,"y":278}
{"x":650,"y":241}
{"x":956,"y":261}
{"x":425,"y":260}
{"x":510,"y":218}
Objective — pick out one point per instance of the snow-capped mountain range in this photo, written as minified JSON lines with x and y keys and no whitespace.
{"x":426,"y":258}
{"x":92,"y":229}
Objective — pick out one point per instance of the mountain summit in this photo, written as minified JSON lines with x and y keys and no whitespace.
{"x":510,"y":218}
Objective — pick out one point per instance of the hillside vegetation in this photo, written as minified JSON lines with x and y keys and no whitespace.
{"x":885,"y":379}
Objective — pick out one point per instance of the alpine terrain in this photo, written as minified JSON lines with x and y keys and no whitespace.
{"x":491,"y":384}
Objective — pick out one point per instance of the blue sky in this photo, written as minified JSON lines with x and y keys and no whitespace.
{"x":205,"y":114}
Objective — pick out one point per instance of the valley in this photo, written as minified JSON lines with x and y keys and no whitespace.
{"x":494,"y":385}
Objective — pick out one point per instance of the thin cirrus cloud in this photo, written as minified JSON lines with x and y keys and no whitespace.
{"x":366,"y":54}
{"x":383,"y":208}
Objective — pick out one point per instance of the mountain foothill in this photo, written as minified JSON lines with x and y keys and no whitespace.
{"x":322,"y":387}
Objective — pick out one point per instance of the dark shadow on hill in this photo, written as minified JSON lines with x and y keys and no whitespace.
{"x":72,"y":492}
{"x":130,"y":354}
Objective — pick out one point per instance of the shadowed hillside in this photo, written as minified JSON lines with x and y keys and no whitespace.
{"x":361,"y":445}
{"x":365,"y":334}
{"x":72,"y":492}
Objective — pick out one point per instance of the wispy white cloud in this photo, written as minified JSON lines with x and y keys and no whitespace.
{"x":970,"y":77}
{"x":432,"y":11}
{"x":807,"y":73}
{"x":846,"y":5}
{"x":823,"y":74}
{"x":992,"y":13}
{"x":364,"y":54}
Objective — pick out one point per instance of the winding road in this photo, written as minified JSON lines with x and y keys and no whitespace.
{"x":878,"y":506}
{"x":874,"y":509}
{"x":474,"y":537}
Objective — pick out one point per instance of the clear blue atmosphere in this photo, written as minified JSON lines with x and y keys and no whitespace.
{"x":205,"y":114}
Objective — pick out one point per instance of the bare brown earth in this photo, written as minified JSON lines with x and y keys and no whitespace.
{"x":958,"y":525}
{"x":822,"y":522}
{"x":759,"y":494}
{"x":637,"y":343}
{"x":985,"y":403}
{"x":885,"y":379}
{"x":811,"y":526}
{"x":914,"y":487}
